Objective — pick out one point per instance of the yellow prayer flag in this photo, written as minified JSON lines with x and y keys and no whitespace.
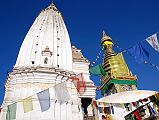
{"x":27,"y":104}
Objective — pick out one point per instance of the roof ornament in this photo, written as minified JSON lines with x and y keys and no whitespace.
{"x":106,"y":40}
{"x":52,"y":6}
{"x":104,"y":34}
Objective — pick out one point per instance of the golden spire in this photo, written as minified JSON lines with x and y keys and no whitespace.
{"x":106,"y":40}
{"x":114,"y":64}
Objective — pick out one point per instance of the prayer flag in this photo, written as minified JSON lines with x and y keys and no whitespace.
{"x":105,"y":109}
{"x":11,"y":112}
{"x":127,"y":106}
{"x":44,"y":100}
{"x":62,"y":93}
{"x":151,"y":111}
{"x":157,"y":96}
{"x":112,"y":109}
{"x":131,"y":117}
{"x":100,"y":109}
{"x":153,"y":99}
{"x":108,"y":110}
{"x":137,"y":115}
{"x":95,"y":104}
{"x":97,"y":70}
{"x":153,"y":41}
{"x":139,"y":53}
{"x":79,"y":82}
{"x":134,"y":104}
{"x":27,"y":104}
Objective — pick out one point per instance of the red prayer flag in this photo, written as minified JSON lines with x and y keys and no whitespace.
{"x":134,"y":104}
{"x":137,"y":115}
{"x":105,"y":110}
{"x":79,"y":82}
{"x":95,"y":104}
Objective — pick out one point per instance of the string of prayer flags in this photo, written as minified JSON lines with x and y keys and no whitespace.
{"x":98,"y":70}
{"x":62,"y":93}
{"x":139,"y":53}
{"x":44,"y":100}
{"x":106,"y":110}
{"x":155,"y":66}
{"x":11,"y":112}
{"x":97,"y":57}
{"x":153,"y":41}
{"x":27,"y":104}
{"x":79,"y":82}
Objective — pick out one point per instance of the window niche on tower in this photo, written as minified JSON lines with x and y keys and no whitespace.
{"x":46,"y":60}
{"x":46,"y":56}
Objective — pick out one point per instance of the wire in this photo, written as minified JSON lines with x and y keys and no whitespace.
{"x":97,"y":57}
{"x":146,"y":62}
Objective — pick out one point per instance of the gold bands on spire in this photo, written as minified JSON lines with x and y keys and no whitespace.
{"x":114,"y":64}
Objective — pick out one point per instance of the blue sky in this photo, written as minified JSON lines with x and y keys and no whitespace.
{"x":127,"y":22}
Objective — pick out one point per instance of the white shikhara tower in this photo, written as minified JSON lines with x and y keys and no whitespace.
{"x":46,"y":59}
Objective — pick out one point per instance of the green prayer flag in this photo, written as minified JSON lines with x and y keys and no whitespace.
{"x":11,"y":112}
{"x":131,"y":117}
{"x":97,"y":70}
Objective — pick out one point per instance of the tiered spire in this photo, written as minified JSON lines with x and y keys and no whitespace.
{"x":114,"y":65}
{"x":107,"y":43}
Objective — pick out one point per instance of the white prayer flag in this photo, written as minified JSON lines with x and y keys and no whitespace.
{"x":153,"y":41}
{"x":62,"y":93}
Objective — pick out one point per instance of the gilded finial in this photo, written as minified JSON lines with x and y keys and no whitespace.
{"x":104,"y":34}
{"x":52,"y":6}
{"x":106,"y":40}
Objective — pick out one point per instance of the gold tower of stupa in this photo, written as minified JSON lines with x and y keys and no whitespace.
{"x":118,"y":76}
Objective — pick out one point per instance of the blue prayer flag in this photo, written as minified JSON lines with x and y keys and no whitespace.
{"x":44,"y":100}
{"x":100,"y":109}
{"x":151,"y":110}
{"x":139,"y":53}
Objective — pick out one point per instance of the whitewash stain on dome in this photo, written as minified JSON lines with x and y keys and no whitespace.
{"x":47,"y":43}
